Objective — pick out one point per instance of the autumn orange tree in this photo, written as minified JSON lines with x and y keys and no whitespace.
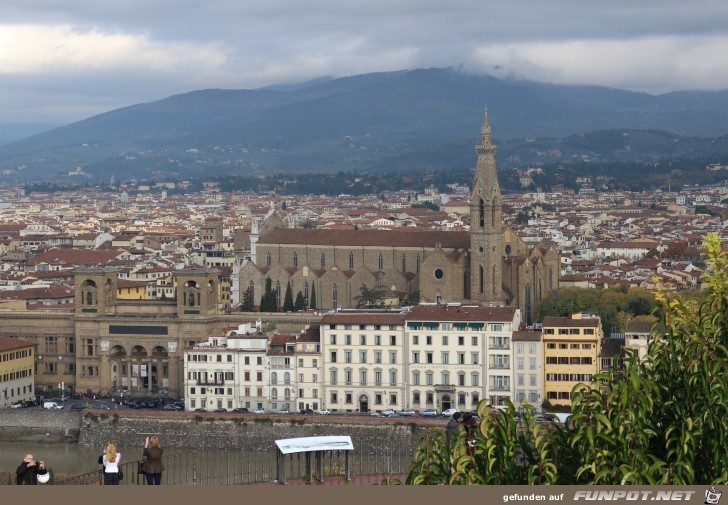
{"x":660,"y":420}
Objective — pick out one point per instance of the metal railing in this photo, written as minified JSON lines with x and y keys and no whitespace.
{"x":236,"y":467}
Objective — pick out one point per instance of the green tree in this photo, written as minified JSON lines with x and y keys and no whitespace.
{"x":247,"y":304}
{"x":300,"y":303}
{"x":312,"y":304}
{"x":268,"y":300}
{"x":661,"y":420}
{"x":369,"y":297}
{"x":288,"y":299}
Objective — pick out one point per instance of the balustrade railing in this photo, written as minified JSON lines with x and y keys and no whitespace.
{"x":234,"y":467}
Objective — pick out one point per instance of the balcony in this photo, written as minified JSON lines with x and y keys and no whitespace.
{"x":500,"y":366}
{"x":496,"y":387}
{"x":209,"y":383}
{"x":494,"y":345}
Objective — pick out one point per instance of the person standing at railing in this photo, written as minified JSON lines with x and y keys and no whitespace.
{"x":111,"y":459}
{"x":28,"y":471}
{"x":153,"y":467}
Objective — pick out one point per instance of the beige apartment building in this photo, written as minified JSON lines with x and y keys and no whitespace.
{"x":571,"y":345}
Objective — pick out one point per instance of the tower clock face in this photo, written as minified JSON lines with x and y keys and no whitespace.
{"x":508,"y":249}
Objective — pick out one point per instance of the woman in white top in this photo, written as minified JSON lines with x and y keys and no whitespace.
{"x":111,"y":460}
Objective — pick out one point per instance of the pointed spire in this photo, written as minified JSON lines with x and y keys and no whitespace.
{"x":485,"y":136}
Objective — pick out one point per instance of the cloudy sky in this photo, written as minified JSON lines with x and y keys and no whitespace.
{"x":65,"y":60}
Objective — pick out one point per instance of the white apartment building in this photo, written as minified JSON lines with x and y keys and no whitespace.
{"x":282,"y":372}
{"x":458,"y":355}
{"x":228,"y":372}
{"x":528,"y":368}
{"x":308,"y":370}
{"x":363,"y":361}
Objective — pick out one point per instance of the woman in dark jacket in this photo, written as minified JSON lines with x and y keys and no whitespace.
{"x":153,"y":466}
{"x":28,"y":471}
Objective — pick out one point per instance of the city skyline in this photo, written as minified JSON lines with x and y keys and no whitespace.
{"x":65,"y":62}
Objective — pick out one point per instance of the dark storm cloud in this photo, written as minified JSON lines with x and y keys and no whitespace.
{"x":83,"y":57}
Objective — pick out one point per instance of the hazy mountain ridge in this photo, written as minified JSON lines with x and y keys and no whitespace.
{"x":425,"y":118}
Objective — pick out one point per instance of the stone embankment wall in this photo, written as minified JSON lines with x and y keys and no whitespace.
{"x":247,"y":431}
{"x":204,"y":431}
{"x":37,"y":424}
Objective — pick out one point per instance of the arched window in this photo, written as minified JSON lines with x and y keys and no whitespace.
{"x":417,"y":264}
{"x":274,"y":378}
{"x":351,"y":261}
{"x":192,"y":300}
{"x":251,"y":286}
{"x":480,"y":282}
{"x":286,"y":378}
{"x":278,"y":293}
{"x":274,"y":393}
{"x":551,"y":278}
{"x":494,"y":214}
{"x":89,"y":298}
{"x":295,"y":259}
{"x":527,"y":305}
{"x":380,"y":262}
{"x":323,"y":260}
{"x":540,"y":294}
{"x":305,"y":294}
{"x":334,"y":297}
{"x":481,"y":213}
{"x":268,"y":259}
{"x":404,"y":262}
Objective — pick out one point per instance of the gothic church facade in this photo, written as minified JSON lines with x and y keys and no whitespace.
{"x":488,"y":264}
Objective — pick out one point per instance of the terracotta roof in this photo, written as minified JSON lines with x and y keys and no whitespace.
{"x":363,"y":318}
{"x":10,"y":343}
{"x":460,"y":313}
{"x":565,"y":322}
{"x":526,"y":336}
{"x":363,"y":238}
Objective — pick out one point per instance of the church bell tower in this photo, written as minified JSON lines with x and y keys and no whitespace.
{"x":486,"y":230}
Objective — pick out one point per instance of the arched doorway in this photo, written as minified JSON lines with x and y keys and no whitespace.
{"x":118,"y":363}
{"x":363,"y":403}
{"x":445,"y":402}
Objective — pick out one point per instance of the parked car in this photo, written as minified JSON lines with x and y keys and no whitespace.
{"x":171,"y":406}
{"x":449,"y":412}
{"x":283,"y":411}
{"x":428,"y":413}
{"x":78,"y":406}
{"x":388,"y":413}
{"x":408,"y":412}
{"x":305,"y":412}
{"x":220,"y":410}
{"x":200,"y":410}
{"x":52,"y":406}
{"x":16,"y":406}
{"x":100,"y":406}
{"x":240,"y":410}
{"x":259,"y":411}
{"x":324,"y":412}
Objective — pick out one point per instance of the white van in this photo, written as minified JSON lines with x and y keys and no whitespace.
{"x":52,"y":405}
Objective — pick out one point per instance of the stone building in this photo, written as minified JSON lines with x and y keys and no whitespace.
{"x":488,"y":264}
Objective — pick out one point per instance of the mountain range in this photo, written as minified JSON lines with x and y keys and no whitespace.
{"x":424,"y":119}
